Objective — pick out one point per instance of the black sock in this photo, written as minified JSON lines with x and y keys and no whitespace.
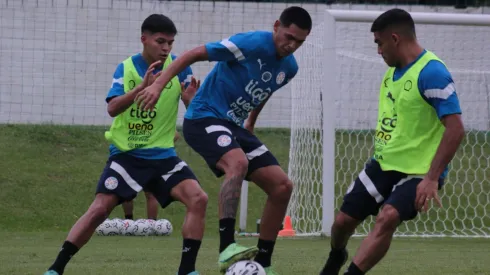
{"x":353,"y":270}
{"x":190,"y":248}
{"x":226,"y":233}
{"x":265,"y":252}
{"x":336,"y":259}
{"x":128,"y":217}
{"x":67,"y":251}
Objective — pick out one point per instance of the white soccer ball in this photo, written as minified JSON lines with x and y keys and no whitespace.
{"x":141,"y":227}
{"x":162,"y":227}
{"x":108,"y":228}
{"x":245,"y":268}
{"x":126,"y":227}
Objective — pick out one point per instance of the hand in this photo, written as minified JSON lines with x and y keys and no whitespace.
{"x":249,"y":126}
{"x":426,"y":191}
{"x":148,"y":98}
{"x":189,"y":93}
{"x":149,"y":77}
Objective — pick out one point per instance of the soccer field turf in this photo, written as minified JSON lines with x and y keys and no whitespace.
{"x":31,"y":253}
{"x":48,"y":178}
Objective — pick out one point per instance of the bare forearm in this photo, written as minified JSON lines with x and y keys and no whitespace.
{"x":453,"y":135}
{"x":119,"y":104}
{"x":184,"y":61}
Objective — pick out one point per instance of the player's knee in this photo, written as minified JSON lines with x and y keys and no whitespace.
{"x":234,"y":163}
{"x":283,"y":190}
{"x":149,"y":196}
{"x":198,"y":203}
{"x":345,"y":222}
{"x":99,"y":212}
{"x":388,"y":220}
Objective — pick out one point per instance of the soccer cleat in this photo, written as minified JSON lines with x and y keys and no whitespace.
{"x":335,"y":262}
{"x":270,"y":271}
{"x":51,"y":272}
{"x":235,"y":253}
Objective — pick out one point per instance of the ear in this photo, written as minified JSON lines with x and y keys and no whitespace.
{"x":277,"y":24}
{"x":396,"y":38}
{"x":143,"y":38}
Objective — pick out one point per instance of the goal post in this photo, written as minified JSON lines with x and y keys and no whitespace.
{"x":334,"y":111}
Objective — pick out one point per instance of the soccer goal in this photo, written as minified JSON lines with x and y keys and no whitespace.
{"x":334,"y":111}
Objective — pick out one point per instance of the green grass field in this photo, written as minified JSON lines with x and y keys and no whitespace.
{"x":48,"y":178}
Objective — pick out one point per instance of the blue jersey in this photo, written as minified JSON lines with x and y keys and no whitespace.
{"x":437,"y":87}
{"x":247,"y":73}
{"x":117,"y":89}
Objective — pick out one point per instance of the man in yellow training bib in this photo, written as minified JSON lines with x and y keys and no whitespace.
{"x":142,"y":154}
{"x":418,"y":132}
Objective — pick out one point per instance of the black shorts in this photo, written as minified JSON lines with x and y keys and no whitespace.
{"x":212,"y":138}
{"x":125,"y":176}
{"x":375,"y":187}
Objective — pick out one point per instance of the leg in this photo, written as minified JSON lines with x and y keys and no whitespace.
{"x":276,"y":184}
{"x":215,"y":141}
{"x":400,"y":206}
{"x":234,"y":164}
{"x":128,"y":207}
{"x":112,"y":189}
{"x":84,"y":228}
{"x":363,"y":198}
{"x":178,"y":182}
{"x":195,"y":200}
{"x":151,"y":206}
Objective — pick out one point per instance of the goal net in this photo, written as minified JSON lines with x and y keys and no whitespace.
{"x":334,"y":112}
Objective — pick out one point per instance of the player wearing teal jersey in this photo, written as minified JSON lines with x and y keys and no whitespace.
{"x":418,"y":132}
{"x":142,"y":154}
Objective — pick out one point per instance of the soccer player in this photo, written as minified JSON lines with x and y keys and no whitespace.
{"x":142,"y":155}
{"x":250,"y":67}
{"x":419,"y":130}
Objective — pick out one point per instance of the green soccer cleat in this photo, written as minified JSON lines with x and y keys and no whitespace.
{"x":51,"y":272}
{"x":235,"y":253}
{"x":270,"y":271}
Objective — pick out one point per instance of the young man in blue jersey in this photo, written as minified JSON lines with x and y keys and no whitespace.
{"x":419,"y":130}
{"x":251,"y":67}
{"x":142,"y":156}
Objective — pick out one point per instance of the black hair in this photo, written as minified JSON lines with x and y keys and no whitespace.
{"x":296,"y":15}
{"x":397,"y":18}
{"x":158,"y":23}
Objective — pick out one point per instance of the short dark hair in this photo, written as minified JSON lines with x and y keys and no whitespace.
{"x":398,"y":18}
{"x":158,"y":23}
{"x":296,"y":15}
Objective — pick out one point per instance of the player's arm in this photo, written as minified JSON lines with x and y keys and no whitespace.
{"x":252,"y":117}
{"x":438,"y":89}
{"x":236,"y":48}
{"x":189,"y":85}
{"x":117,"y":100}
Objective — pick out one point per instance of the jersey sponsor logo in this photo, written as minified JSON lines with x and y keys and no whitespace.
{"x":258,"y":94}
{"x":224,"y":140}
{"x":140,"y":131}
{"x":111,"y":183}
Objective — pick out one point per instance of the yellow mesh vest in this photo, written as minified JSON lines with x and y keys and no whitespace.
{"x":136,"y":129}
{"x":408,"y":131}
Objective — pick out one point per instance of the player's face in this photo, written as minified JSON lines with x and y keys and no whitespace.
{"x":288,"y":39}
{"x":388,"y":42}
{"x":158,"y":45}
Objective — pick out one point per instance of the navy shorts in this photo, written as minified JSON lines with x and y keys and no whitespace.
{"x":212,"y":138}
{"x":125,"y":176}
{"x":375,"y":187}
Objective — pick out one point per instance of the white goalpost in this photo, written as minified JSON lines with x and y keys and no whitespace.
{"x":334,"y":110}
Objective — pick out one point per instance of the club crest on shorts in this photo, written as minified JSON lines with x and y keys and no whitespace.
{"x":111,"y":183}
{"x":224,"y":140}
{"x":280,"y":78}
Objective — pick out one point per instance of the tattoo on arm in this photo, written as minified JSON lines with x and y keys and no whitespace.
{"x":229,"y":197}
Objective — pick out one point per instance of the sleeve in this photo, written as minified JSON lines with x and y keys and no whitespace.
{"x":437,"y":88}
{"x":238,"y":47}
{"x":117,"y":87}
{"x":184,"y":76}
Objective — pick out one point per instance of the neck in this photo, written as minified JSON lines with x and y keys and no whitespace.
{"x":410,"y":54}
{"x":147,"y":58}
